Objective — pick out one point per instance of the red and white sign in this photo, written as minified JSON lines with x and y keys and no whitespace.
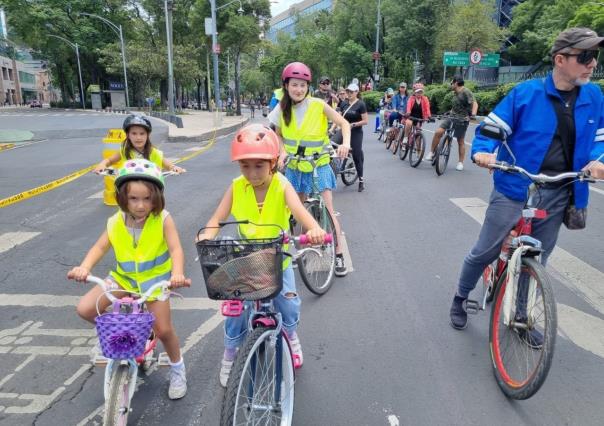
{"x":216,"y":48}
{"x":475,"y":56}
{"x":376,"y":56}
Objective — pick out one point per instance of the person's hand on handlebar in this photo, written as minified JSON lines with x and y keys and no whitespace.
{"x":316,"y":235}
{"x":179,"y":280}
{"x":281,"y":160}
{"x":343,"y":151}
{"x":178,"y":170}
{"x":79,"y":273}
{"x":483,"y":159}
{"x":596,"y":169}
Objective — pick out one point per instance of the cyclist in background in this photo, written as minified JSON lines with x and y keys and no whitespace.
{"x":301,"y":121}
{"x":326,"y":93}
{"x":464,"y":107}
{"x":553,"y":125}
{"x":418,"y":107}
{"x":399,"y":104}
{"x":275,"y":99}
{"x":386,"y":107}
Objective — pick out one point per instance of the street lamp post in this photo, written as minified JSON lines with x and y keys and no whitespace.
{"x":168,"y":8}
{"x":118,"y":30}
{"x":377,"y":42}
{"x":77,"y":51}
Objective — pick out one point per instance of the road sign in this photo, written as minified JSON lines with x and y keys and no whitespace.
{"x":116,"y":85}
{"x":475,"y":56}
{"x":456,"y":59}
{"x":376,"y":56}
{"x":216,"y":48}
{"x":208,"y":26}
{"x":490,"y":60}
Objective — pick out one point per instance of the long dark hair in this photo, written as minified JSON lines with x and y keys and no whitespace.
{"x":286,"y":103}
{"x":128,"y":147}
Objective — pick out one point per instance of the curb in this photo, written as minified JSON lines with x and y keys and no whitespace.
{"x":208,"y":135}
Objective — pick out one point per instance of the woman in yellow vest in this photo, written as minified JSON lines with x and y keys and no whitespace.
{"x":263,"y":196}
{"x":138,"y":145}
{"x":147,"y":249}
{"x":301,"y":121}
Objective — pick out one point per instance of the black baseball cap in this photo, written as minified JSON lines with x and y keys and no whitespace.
{"x":325,"y":79}
{"x":577,"y":38}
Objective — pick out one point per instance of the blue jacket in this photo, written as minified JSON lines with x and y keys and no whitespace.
{"x":399,"y":103}
{"x":529,"y":119}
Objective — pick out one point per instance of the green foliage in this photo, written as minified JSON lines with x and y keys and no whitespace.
{"x":437,"y":93}
{"x":372,"y":99}
{"x":487,"y":101}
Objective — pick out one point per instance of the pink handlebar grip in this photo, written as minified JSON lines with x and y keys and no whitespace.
{"x":303,"y":239}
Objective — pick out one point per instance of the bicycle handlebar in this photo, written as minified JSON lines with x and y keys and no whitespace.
{"x":582,"y":176}
{"x":107,"y":288}
{"x":110,"y":171}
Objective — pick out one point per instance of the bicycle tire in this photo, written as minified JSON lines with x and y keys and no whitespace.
{"x":117,"y":405}
{"x":348,"y":172}
{"x":249,"y":383}
{"x":403,"y":150}
{"x":443,"y":150}
{"x":416,"y":151}
{"x":507,"y":377}
{"x":391,"y":136}
{"x":398,"y":141}
{"x":382,"y":134}
{"x":318,"y":271}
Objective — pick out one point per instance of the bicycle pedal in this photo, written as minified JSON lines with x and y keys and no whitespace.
{"x":163,"y":360}
{"x":471,"y":306}
{"x":232,"y":308}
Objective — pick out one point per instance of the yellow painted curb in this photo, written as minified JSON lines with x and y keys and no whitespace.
{"x":6,"y":146}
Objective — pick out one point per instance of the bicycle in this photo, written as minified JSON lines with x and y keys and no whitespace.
{"x":127,"y":343}
{"x":443,"y":149}
{"x":260,"y":389}
{"x":345,"y":168}
{"x":384,"y":126}
{"x":522,"y":293}
{"x":395,"y":136}
{"x":415,"y":145}
{"x":317,"y":269}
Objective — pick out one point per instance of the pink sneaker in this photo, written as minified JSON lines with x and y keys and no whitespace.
{"x":296,"y":348}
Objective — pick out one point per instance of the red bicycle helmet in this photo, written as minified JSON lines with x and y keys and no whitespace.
{"x":296,"y":70}
{"x":418,"y":87}
{"x":255,"y":141}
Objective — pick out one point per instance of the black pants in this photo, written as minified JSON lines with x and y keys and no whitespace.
{"x":356,"y":143}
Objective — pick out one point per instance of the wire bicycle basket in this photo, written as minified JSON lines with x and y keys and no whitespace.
{"x":243,"y":269}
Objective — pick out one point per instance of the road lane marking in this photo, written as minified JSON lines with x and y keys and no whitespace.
{"x":9,"y":240}
{"x":97,"y":195}
{"x":598,"y":190}
{"x":583,"y":329}
{"x":82,"y":370}
{"x":393,"y":420}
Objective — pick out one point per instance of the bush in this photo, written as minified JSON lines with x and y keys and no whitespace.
{"x":372,"y":100}
{"x":487,"y":101}
{"x":437,"y":93}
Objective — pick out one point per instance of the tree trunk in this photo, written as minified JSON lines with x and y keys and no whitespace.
{"x":199,"y":83}
{"x":237,"y":94}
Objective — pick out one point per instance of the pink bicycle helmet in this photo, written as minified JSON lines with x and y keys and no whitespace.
{"x":255,"y":141}
{"x":418,"y":87}
{"x":296,"y":70}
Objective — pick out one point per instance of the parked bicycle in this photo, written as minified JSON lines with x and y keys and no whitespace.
{"x":247,"y":274}
{"x":415,"y":145}
{"x":523,"y":295}
{"x":317,"y":268}
{"x":127,"y":343}
{"x":343,"y":167}
{"x":443,"y":149}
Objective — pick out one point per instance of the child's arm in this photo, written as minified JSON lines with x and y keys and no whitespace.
{"x":168,"y":165}
{"x":107,"y":162}
{"x":176,"y":253}
{"x":314,"y":231}
{"x":221,"y":214}
{"x":96,"y":253}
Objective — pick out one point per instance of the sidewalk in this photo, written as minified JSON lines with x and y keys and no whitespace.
{"x":202,"y":125}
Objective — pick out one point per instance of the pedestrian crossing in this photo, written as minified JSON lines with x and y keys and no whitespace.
{"x":52,"y":114}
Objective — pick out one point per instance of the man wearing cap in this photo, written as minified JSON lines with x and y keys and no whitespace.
{"x":553,"y":125}
{"x":324,"y":92}
{"x":399,"y":104}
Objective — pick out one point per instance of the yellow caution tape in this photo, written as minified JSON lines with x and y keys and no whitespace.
{"x":44,"y":188}
{"x":5,"y":146}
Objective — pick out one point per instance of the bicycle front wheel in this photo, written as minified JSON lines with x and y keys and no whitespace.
{"x":417,"y":149}
{"x":403,"y":149}
{"x":260,"y":390}
{"x":348,"y":171}
{"x":117,"y":404}
{"x":522,"y":339}
{"x":443,"y":150}
{"x":317,"y":266}
{"x":391,"y":137}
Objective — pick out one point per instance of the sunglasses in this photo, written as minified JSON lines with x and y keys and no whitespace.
{"x":325,"y":82}
{"x":585,"y":57}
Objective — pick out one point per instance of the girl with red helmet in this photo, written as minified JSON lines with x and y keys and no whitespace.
{"x":302,"y":123}
{"x":138,"y":145}
{"x":263,"y":196}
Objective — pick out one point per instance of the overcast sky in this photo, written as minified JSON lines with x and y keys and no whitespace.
{"x":282,"y":5}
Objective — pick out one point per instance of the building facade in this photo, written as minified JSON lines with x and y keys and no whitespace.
{"x":285,"y":22}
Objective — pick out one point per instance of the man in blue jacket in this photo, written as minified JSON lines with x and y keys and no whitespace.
{"x":541,"y":143}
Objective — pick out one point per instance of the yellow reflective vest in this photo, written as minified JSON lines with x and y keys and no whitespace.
{"x":274,"y":210}
{"x":310,"y":134}
{"x":278,"y":94}
{"x":156,"y":157}
{"x":139,"y":267}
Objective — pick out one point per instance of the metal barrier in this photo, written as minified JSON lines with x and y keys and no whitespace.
{"x":174,"y":119}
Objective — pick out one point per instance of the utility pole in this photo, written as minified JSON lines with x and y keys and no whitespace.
{"x":168,"y":9}
{"x":215,"y":56}
{"x":377,"y":43}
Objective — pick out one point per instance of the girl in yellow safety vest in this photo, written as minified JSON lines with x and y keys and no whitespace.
{"x":301,"y":121}
{"x":147,"y":249}
{"x":138,"y":145}
{"x":263,"y":196}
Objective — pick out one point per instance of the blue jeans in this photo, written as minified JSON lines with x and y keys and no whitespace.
{"x":235,"y":328}
{"x":501,"y":216}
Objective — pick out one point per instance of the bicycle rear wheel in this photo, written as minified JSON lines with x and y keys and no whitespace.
{"x":416,"y":150}
{"x":403,"y":149}
{"x":348,"y":171}
{"x":317,"y":267}
{"x":391,"y":136}
{"x":260,"y":390}
{"x":443,"y":150}
{"x":117,"y":404}
{"x":521,"y":365}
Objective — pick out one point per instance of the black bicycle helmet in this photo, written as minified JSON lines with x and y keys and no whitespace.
{"x":136,"y":120}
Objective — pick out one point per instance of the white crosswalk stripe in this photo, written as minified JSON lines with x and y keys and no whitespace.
{"x":12,"y":239}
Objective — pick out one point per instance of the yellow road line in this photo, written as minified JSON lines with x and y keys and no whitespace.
{"x":6,"y":146}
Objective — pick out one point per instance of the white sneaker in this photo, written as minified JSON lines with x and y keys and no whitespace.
{"x":178,"y":382}
{"x":429,"y":156}
{"x":459,"y":167}
{"x":225,"y":371}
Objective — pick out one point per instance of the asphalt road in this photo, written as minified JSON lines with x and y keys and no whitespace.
{"x":378,"y":347}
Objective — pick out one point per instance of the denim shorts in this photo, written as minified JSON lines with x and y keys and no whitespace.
{"x":302,"y":182}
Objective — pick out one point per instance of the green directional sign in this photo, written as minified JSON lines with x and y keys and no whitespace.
{"x":456,"y":59}
{"x":490,"y":60}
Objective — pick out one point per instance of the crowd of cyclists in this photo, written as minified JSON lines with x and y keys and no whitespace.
{"x":552,"y":125}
